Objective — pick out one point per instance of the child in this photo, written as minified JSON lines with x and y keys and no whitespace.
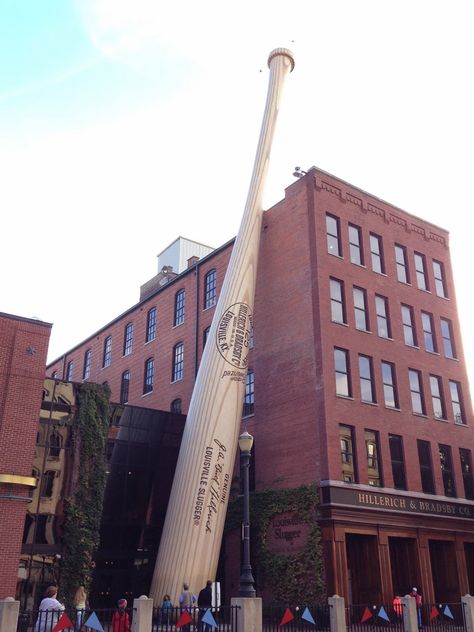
{"x":121,"y":620}
{"x":166,"y":610}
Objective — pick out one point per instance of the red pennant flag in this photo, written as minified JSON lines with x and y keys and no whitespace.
{"x":63,"y":624}
{"x":366,"y":616}
{"x":184,"y":619}
{"x":288,"y":616}
{"x":434,"y":613}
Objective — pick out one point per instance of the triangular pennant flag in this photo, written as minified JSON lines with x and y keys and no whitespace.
{"x":288,"y":616}
{"x":184,"y":619}
{"x":434,"y":613}
{"x":63,"y":624}
{"x":209,"y":619}
{"x":366,"y":616}
{"x":447,"y":612}
{"x":307,"y":616}
{"x":383,"y":615}
{"x":94,"y":623}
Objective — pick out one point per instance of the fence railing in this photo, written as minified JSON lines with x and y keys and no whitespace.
{"x":46,"y":620}
{"x":195,"y":619}
{"x":375,"y":616}
{"x":441,"y":616}
{"x":295,"y":618}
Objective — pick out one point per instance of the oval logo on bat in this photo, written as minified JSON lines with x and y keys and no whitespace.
{"x":233,"y":334}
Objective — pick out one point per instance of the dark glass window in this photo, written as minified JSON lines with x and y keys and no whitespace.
{"x":47,"y":483}
{"x":426,"y":469}
{"x":55,"y":444}
{"x":179,"y":303}
{"x":333,"y":235}
{"x":107,"y":352}
{"x":124,"y":387}
{"x":178,"y":362}
{"x":338,"y":308}
{"x":374,"y":469}
{"x":428,"y":332}
{"x":148,"y":375}
{"x":355,"y":245}
{"x":367,"y":389}
{"x":420,"y":268}
{"x":342,"y":374}
{"x":447,"y":470}
{"x":249,"y":398}
{"x":383,"y":317}
{"x":466,"y":469}
{"x":416,"y":390}
{"x":128,"y":339}
{"x":151,"y":324}
{"x":210,"y":289}
{"x":69,"y":371}
{"x":402,"y":264}
{"x":348,"y":465}
{"x":86,"y":372}
{"x":440,"y":279}
{"x":389,"y":385}
{"x":409,"y":332}
{"x":376,"y":254}
{"x":361,"y":315}
{"x":176,"y":406}
{"x":398,"y":461}
{"x":437,"y":398}
{"x":447,"y":336}
{"x":457,"y":402}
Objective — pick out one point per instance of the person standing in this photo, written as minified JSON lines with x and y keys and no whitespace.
{"x":419,"y":602}
{"x":80,"y":604}
{"x":50,"y":610}
{"x":204,"y":602}
{"x":166,"y":609}
{"x":187,"y":600}
{"x":120,"y":619}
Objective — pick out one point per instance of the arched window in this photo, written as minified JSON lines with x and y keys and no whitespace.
{"x":178,"y":362}
{"x":69,"y":371}
{"x":124,"y":386}
{"x":107,"y":352}
{"x":179,"y":302}
{"x":148,"y":375}
{"x":87,"y":365}
{"x":128,"y":339}
{"x":151,"y":324}
{"x":176,"y":406}
{"x":210,"y":289}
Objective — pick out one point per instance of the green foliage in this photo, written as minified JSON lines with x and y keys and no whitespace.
{"x":83,"y":509}
{"x":291,"y":578}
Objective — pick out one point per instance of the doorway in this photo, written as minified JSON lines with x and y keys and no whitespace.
{"x":363,"y":568}
{"x":444,"y":570}
{"x":404,"y":564}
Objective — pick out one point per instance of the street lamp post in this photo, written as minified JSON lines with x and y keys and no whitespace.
{"x":246,"y":588}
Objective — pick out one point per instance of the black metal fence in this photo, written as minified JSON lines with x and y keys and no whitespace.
{"x":224,"y":619}
{"x":45,"y":620}
{"x":375,"y":617}
{"x":295,"y":618}
{"x":441,"y":617}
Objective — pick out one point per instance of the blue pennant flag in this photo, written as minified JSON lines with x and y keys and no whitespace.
{"x":94,"y":623}
{"x":307,"y":616}
{"x":447,"y":612}
{"x":209,"y":619}
{"x":383,"y":614}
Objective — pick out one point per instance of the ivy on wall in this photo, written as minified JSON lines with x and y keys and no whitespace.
{"x":290,"y":578}
{"x":83,"y":509}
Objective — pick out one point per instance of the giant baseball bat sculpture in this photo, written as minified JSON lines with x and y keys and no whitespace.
{"x":192,"y":533}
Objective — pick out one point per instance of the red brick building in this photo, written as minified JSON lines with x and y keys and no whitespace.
{"x":23,"y":349}
{"x":357,"y":381}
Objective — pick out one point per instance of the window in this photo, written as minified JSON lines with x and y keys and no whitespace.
{"x":338,"y":308}
{"x":367,"y":390}
{"x":341,"y":367}
{"x":376,"y":254}
{"x":210,"y":289}
{"x":398,"y":461}
{"x":409,"y":332}
{"x":373,"y":463}
{"x":176,"y":406}
{"x":348,"y":465}
{"x":437,"y":398}
{"x":179,"y":301}
{"x":128,"y":339}
{"x":426,"y":470}
{"x":249,"y":398}
{"x":448,"y":339}
{"x":148,"y":376}
{"x":447,"y":470}
{"x":107,"y":352}
{"x":69,"y":371}
{"x":420,"y":268}
{"x":205,"y":336}
{"x":403,"y":274}
{"x":457,"y":403}
{"x":151,"y":325}
{"x":178,"y":362}
{"x":124,"y":387}
{"x":86,"y":371}
{"x":440,"y":279}
{"x":390,"y":394}
{"x":383,"y":317}
{"x":360,"y":309}
{"x":355,"y":245}
{"x":466,"y":469}
{"x":55,"y":445}
{"x":47,"y":483}
{"x":428,"y":332}
{"x":416,"y":390}
{"x":333,"y":235}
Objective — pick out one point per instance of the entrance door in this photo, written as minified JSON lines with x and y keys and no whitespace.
{"x":469,"y":553}
{"x":445,"y":572}
{"x":404,"y":564}
{"x":363,"y":568}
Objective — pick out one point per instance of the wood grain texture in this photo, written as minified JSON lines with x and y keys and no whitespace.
{"x":192,"y":533}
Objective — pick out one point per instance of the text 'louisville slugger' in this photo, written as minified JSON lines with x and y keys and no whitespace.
{"x":192,"y":533}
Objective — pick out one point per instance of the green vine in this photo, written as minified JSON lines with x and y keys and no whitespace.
{"x":83,"y":509}
{"x":290,"y":578}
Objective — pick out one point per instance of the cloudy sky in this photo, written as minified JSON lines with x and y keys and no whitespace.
{"x":125,"y":123}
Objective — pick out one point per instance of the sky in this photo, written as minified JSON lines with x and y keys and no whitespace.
{"x":125,"y":123}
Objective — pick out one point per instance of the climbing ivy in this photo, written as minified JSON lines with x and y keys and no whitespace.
{"x":83,"y":509}
{"x":291,"y":578}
